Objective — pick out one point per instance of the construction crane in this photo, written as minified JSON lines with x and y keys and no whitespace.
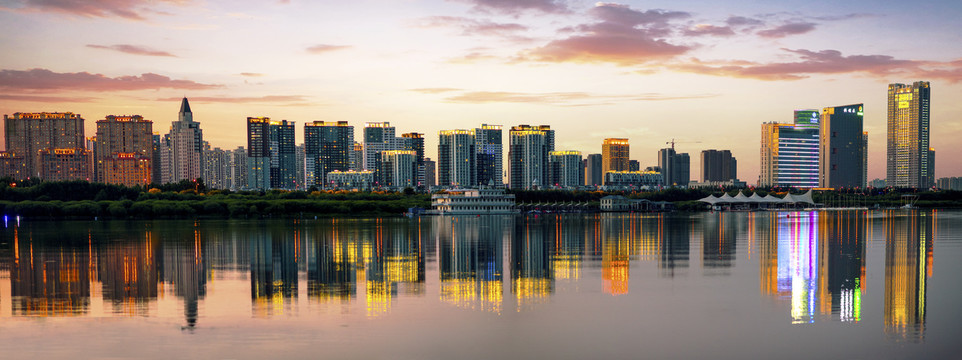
{"x":672,"y":142}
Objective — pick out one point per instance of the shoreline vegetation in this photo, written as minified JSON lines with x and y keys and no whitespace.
{"x":189,"y":199}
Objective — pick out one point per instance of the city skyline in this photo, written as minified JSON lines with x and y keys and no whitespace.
{"x":679,"y":71}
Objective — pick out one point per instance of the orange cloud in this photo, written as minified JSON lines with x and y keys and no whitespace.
{"x":132,"y":49}
{"x":550,"y":98}
{"x":46,"y":80}
{"x":324,"y":48}
{"x":243,"y":99}
{"x":46,"y":99}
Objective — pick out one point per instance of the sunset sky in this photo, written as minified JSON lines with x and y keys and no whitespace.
{"x":706,"y":73}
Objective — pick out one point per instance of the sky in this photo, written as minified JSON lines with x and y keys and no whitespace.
{"x":704,"y":73}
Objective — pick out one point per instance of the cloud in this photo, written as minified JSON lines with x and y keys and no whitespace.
{"x":515,"y":7}
{"x":250,"y":74}
{"x":437,"y":90}
{"x":47,"y":99}
{"x":709,"y":30}
{"x":132,"y":49}
{"x":324,"y":48}
{"x":549,"y":98}
{"x":796,"y":28}
{"x":810,"y":62}
{"x":471,"y":27}
{"x":622,"y":36}
{"x":46,"y":80}
{"x":243,"y":99}
{"x":127,"y":9}
{"x":472,"y":58}
{"x":743,"y":21}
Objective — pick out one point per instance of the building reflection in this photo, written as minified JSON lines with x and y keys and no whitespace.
{"x":470,"y":260}
{"x":394,"y":261}
{"x":185,"y":269}
{"x":332,"y":269}
{"x":718,"y":243}
{"x":49,"y":277}
{"x":675,"y":235}
{"x":532,"y":277}
{"x":620,"y":233}
{"x":815,"y":262}
{"x":908,"y":264}
{"x":129,"y":273}
{"x":570,"y":235}
{"x":273,"y":270}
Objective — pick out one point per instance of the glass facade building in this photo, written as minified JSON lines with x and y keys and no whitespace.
{"x":790,"y":152}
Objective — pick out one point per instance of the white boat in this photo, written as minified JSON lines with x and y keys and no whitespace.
{"x":472,"y":202}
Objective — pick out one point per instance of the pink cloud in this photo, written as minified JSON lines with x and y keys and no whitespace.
{"x":797,"y":28}
{"x":127,"y":9}
{"x":622,"y":36}
{"x":132,"y":49}
{"x":809,"y":63}
{"x":708,"y":30}
{"x":471,"y":27}
{"x":325,"y":48}
{"x":518,"y":6}
{"x":244,"y":99}
{"x":46,"y":99}
{"x":46,"y":80}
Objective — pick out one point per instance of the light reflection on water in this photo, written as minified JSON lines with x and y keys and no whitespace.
{"x":347,"y":276}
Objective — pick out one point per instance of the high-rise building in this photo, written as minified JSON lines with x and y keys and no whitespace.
{"x":216,"y":168}
{"x":26,"y":134}
{"x":565,"y":168}
{"x":124,"y":151}
{"x":430,"y":175}
{"x":378,"y":136}
{"x":676,"y":167}
{"x":490,"y":157}
{"x":271,"y":157}
{"x":950,"y":183}
{"x":614,"y":155}
{"x":185,"y":147}
{"x":157,"y":173}
{"x":65,"y":164}
{"x":910,"y":159}
{"x":415,"y":142}
{"x":357,"y":157}
{"x":593,"y":174}
{"x":457,"y":158}
{"x":789,"y":153}
{"x":328,"y":147}
{"x":398,"y":169}
{"x":842,"y":147}
{"x":528,"y":156}
{"x":634,"y":165}
{"x":300,"y":158}
{"x":238,"y":168}
{"x":718,"y":165}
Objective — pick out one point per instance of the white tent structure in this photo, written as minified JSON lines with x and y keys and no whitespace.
{"x":756,"y":201}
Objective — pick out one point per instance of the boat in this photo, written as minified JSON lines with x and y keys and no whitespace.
{"x":472,"y":202}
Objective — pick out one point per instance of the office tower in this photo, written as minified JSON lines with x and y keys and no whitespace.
{"x":634,"y":165}
{"x":398,"y":169}
{"x":185,"y":147}
{"x":124,"y":150}
{"x":239,"y":168}
{"x":910,"y":159}
{"x":593,"y":174}
{"x":26,"y":134}
{"x":528,"y":156}
{"x":284,"y":168}
{"x":216,"y":168}
{"x":789,"y":152}
{"x":842,"y":148}
{"x":865,"y":158}
{"x":258,"y":153}
{"x":614,"y":155}
{"x":565,"y":168}
{"x":378,"y":136}
{"x":430,"y":177}
{"x":415,"y":142}
{"x":490,"y":158}
{"x":718,"y":165}
{"x":328,"y":147}
{"x":65,"y":164}
{"x":676,"y":167}
{"x":457,"y":159}
{"x":156,"y":171}
{"x":357,"y":157}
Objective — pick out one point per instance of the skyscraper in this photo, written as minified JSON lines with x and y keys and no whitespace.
{"x":328,"y":147}
{"x":398,"y":169}
{"x":614,"y":155}
{"x":124,"y":151}
{"x":185,"y":148}
{"x":239,"y":168}
{"x":457,"y":158}
{"x":718,"y":165}
{"x":26,"y":134}
{"x":565,"y":168}
{"x":593,"y":174}
{"x":528,"y":156}
{"x":490,"y":158}
{"x":216,"y":168}
{"x":415,"y":142}
{"x":430,"y":175}
{"x":842,"y":147}
{"x":789,"y":153}
{"x":378,"y":136}
{"x":283,"y":156}
{"x":676,"y":167}
{"x":910,"y":159}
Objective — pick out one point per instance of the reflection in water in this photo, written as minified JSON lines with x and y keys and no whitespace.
{"x":812,"y":263}
{"x":908,"y":248}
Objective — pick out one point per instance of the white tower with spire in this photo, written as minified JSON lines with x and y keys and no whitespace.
{"x":183,"y":148}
